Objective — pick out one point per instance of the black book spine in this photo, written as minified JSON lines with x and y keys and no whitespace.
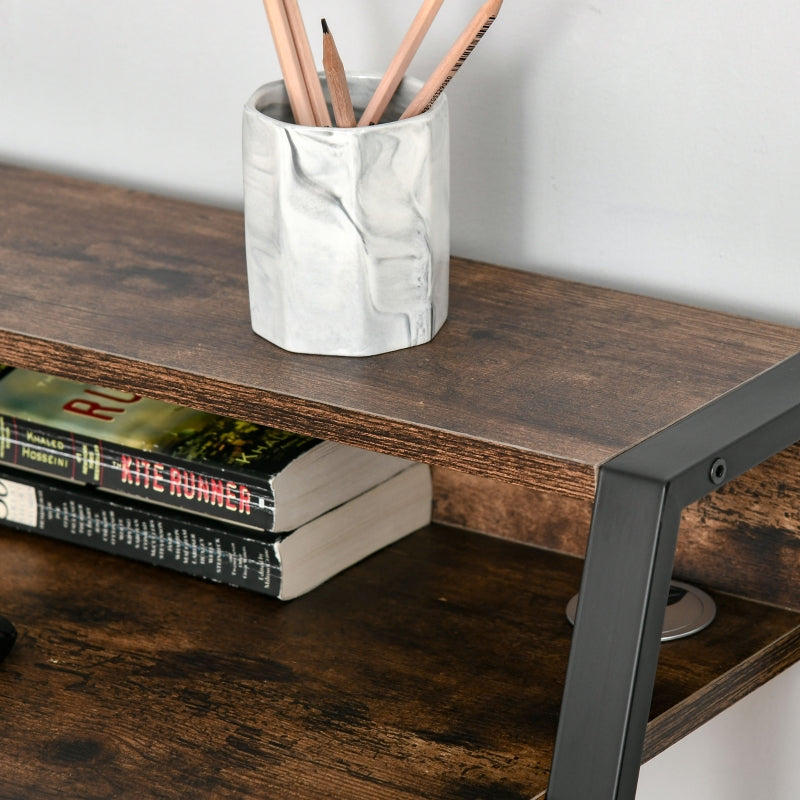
{"x":157,"y":478}
{"x":180,"y":542}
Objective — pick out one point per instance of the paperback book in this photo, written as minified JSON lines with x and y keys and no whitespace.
{"x":202,"y":463}
{"x":280,"y":565}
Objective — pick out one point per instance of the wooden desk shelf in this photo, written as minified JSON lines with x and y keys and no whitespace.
{"x":435,"y":668}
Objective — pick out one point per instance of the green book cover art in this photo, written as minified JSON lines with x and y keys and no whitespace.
{"x":135,"y":422}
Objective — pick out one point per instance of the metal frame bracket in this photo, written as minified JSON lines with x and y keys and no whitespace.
{"x":629,"y":559}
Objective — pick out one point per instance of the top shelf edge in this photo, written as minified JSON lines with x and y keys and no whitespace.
{"x":532,"y":380}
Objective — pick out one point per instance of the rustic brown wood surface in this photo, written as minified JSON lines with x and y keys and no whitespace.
{"x":539,"y":518}
{"x":433,"y":669}
{"x":532,"y":380}
{"x":743,"y":539}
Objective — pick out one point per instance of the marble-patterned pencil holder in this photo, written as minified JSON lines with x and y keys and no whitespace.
{"x":347,"y":230}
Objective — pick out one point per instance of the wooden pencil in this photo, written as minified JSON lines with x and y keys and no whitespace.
{"x":455,"y":57}
{"x":399,"y":64}
{"x":289,"y":63}
{"x":337,"y":81}
{"x":307,"y":66}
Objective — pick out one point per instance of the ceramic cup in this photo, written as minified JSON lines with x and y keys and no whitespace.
{"x":347,"y":230}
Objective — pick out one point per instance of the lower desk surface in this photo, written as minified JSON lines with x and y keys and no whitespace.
{"x":433,"y":669}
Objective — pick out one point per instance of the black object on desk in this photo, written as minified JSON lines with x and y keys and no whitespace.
{"x":8,"y":635}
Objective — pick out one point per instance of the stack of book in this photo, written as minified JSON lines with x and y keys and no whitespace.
{"x":214,"y":497}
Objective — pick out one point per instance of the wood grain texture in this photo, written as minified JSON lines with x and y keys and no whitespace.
{"x":746,"y":536}
{"x":533,"y":380}
{"x":433,"y":669}
{"x":542,"y":519}
{"x":384,"y":683}
{"x":743,"y":539}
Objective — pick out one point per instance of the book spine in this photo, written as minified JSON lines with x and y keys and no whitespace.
{"x":176,"y":541}
{"x":153,"y":477}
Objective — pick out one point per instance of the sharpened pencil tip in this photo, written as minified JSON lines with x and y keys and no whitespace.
{"x":324,"y":26}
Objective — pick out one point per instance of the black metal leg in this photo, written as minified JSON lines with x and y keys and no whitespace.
{"x":616,"y":641}
{"x":629,"y":559}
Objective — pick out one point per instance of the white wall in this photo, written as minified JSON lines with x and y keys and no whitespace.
{"x":642,"y":144}
{"x":748,"y":752}
{"x":645,"y":144}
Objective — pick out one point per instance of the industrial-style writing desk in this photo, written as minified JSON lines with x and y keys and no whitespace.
{"x":437,"y":667}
